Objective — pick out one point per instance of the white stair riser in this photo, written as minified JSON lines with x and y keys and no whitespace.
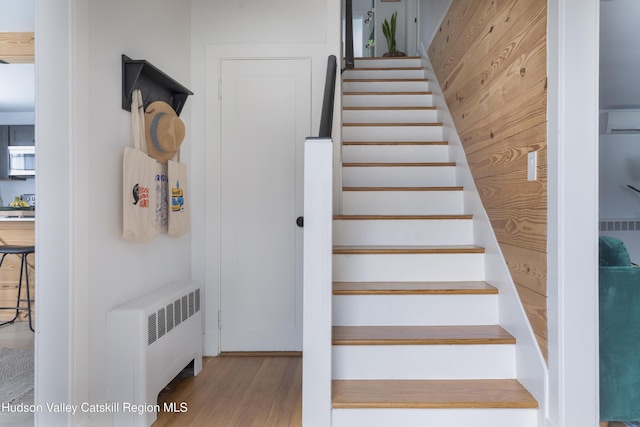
{"x":493,"y":417}
{"x":395,"y":153}
{"x":427,"y":362}
{"x":408,"y":310}
{"x":403,"y":232}
{"x":408,"y":267}
{"x":392,"y":133}
{"x":390,"y":116}
{"x":387,"y":100}
{"x":388,"y":86}
{"x":388,"y":63}
{"x":361,"y":73}
{"x":402,"y":202}
{"x":399,"y":176}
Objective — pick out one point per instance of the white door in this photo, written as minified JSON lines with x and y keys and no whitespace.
{"x":265,"y":117}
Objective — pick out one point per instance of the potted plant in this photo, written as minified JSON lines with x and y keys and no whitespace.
{"x":389,"y":31}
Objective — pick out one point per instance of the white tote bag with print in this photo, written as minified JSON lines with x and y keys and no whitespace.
{"x":138,"y":181}
{"x":180,"y":203}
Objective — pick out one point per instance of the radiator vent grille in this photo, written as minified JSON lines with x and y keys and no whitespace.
{"x":185,"y":309}
{"x":177,"y":312}
{"x":169,"y":317}
{"x":162,"y":322}
{"x":620,"y":225}
{"x":152,"y":328}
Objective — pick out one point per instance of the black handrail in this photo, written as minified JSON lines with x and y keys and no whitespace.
{"x":349,"y":61}
{"x":326,"y":120}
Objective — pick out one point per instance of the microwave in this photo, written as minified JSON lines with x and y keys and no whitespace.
{"x":22,"y":160}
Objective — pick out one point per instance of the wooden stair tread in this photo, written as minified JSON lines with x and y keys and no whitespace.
{"x":385,"y":69}
{"x":384,"y":80}
{"x":424,"y":164}
{"x":406,"y":249}
{"x":413,"y":288}
{"x":370,"y":58}
{"x":401,"y":217}
{"x":391,"y":124}
{"x":395,"y":143}
{"x":436,"y":394}
{"x":389,"y":108}
{"x":403,"y":188}
{"x":389,"y":93}
{"x":420,"y":335}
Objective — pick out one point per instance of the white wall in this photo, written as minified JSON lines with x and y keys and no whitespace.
{"x":84,"y":266}
{"x":256,"y":29}
{"x":9,"y":189}
{"x":159,"y":32}
{"x":18,"y":16}
{"x":431,"y":14}
{"x":17,"y":81}
{"x":619,"y":167}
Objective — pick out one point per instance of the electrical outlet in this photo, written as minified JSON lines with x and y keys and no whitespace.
{"x":532,"y":166}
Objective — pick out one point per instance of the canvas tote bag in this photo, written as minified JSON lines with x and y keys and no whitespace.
{"x":161,"y":188}
{"x":138,"y":174}
{"x":179,"y":211}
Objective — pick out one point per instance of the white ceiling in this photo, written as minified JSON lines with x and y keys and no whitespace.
{"x":619,"y":56}
{"x":17,"y":81}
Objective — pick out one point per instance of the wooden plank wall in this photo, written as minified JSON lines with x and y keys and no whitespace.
{"x":17,"y":48}
{"x":490,"y":59}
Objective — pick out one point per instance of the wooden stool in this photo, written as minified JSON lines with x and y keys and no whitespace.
{"x":21,"y":251}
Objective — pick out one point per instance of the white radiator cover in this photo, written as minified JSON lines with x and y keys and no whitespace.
{"x":151,"y":339}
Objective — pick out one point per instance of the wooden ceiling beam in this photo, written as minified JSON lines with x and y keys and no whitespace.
{"x":17,"y":48}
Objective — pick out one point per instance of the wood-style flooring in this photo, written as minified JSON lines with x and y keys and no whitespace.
{"x":237,"y":391}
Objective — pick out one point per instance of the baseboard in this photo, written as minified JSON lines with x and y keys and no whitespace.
{"x":260,"y":354}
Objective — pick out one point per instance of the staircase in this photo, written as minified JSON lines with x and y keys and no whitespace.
{"x":416,"y":334}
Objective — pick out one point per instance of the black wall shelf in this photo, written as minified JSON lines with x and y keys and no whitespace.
{"x":153,"y":83}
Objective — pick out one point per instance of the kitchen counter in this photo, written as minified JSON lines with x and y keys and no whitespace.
{"x":15,"y":231}
{"x":17,"y":214}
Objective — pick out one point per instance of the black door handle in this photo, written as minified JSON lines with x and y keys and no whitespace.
{"x":300,"y":221}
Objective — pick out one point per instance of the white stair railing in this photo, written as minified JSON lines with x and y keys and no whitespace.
{"x":317,"y":279}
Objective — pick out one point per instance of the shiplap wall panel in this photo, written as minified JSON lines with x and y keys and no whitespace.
{"x":490,"y":58}
{"x":528,"y":267}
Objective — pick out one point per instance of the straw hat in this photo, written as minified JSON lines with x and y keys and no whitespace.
{"x":164,"y":131}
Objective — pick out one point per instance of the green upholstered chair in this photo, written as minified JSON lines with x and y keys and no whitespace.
{"x":619,"y":333}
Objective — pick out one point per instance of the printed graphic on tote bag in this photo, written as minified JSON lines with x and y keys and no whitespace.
{"x":162,"y":207}
{"x":177,"y":198}
{"x":141,"y":195}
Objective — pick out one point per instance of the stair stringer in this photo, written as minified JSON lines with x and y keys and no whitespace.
{"x":531,"y":368}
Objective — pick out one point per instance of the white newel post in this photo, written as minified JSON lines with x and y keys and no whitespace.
{"x":316,"y":360}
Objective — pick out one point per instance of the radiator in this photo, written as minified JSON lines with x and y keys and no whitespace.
{"x":152,"y":339}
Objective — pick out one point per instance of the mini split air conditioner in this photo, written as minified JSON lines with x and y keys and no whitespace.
{"x":620,"y":122}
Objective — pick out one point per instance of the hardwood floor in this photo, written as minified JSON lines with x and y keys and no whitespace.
{"x":237,"y":391}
